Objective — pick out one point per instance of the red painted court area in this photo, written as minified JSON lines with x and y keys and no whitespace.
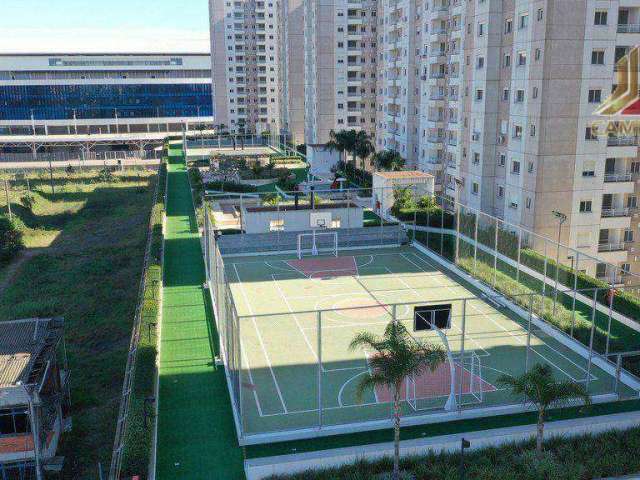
{"x":326,"y":267}
{"x":438,"y":384}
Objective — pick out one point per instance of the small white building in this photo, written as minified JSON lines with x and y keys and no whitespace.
{"x":261,"y":219}
{"x":384,"y":183}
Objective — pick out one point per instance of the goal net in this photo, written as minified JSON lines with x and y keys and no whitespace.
{"x":311,"y":244}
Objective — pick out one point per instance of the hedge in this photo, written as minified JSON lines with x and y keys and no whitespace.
{"x":230,"y":187}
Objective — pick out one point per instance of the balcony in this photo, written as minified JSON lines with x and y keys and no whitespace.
{"x":436,"y":75}
{"x":436,"y":96}
{"x":435,"y":139}
{"x":618,"y":177}
{"x":628,"y":28}
{"x":622,"y":141}
{"x":612,"y":247}
{"x":615,"y":212}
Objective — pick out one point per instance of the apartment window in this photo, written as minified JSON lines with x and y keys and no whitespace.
{"x":522,"y":58}
{"x":590,"y":134}
{"x":600,"y":17}
{"x":595,"y":96}
{"x":538,"y":54}
{"x":505,"y":95}
{"x":500,"y":191}
{"x":540,"y":14}
{"x":589,"y":168}
{"x":632,"y":202}
{"x":476,"y":158}
{"x":530,"y":167}
{"x":515,"y":167}
{"x":13,"y":422}
{"x":480,"y":29}
{"x":507,"y":60}
{"x":597,"y":57}
{"x":517,"y":131}
{"x":585,"y":206}
{"x":519,"y":96}
{"x":480,"y":63}
{"x":524,"y":20}
{"x":475,"y":188}
{"x":276,"y":225}
{"x":628,"y":236}
{"x":508,"y":25}
{"x":336,"y":222}
{"x":535,"y":92}
{"x":635,"y":167}
{"x":479,"y":94}
{"x":626,"y":267}
{"x":528,"y":203}
{"x":532,"y":130}
{"x":502,"y":159}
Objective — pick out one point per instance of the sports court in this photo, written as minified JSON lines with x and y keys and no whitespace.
{"x":297,"y":316}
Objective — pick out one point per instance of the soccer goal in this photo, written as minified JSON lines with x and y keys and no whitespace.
{"x":311,"y":244}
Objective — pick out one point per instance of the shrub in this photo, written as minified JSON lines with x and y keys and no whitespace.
{"x":11,"y":241}
{"x":230,"y":187}
{"x":28,"y":201}
{"x":106,"y":176}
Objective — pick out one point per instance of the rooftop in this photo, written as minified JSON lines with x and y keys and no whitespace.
{"x":22,"y":344}
{"x":404,"y":174}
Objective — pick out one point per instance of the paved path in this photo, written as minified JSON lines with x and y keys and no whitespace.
{"x":196,"y":433}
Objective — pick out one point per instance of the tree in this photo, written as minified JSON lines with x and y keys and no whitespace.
{"x":343,"y":141}
{"x":388,"y":160}
{"x":397,"y":356}
{"x":541,"y":390}
{"x":11,"y":241}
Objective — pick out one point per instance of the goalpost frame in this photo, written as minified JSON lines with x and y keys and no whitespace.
{"x":315,"y":235}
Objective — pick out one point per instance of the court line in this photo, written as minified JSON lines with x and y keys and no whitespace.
{"x":518,"y":339}
{"x":290,"y":270}
{"x":345,"y":384}
{"x":266,"y":355}
{"x":255,"y":393}
{"x":304,"y":335}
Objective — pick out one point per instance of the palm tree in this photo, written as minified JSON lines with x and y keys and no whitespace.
{"x":343,"y":141}
{"x":388,"y":160}
{"x":362,"y":148}
{"x":541,"y":390}
{"x":396,"y":357}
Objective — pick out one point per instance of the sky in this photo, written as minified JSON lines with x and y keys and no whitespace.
{"x":48,"y":26}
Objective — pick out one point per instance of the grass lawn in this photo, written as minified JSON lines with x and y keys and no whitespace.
{"x":90,"y":237}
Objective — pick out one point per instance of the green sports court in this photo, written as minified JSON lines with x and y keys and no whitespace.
{"x":291,"y":370}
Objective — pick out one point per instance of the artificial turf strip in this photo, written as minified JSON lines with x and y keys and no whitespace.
{"x":196,"y":433}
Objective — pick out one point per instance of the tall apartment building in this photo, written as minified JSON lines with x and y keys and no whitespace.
{"x":258,"y":65}
{"x":340,"y":67}
{"x":533,"y":74}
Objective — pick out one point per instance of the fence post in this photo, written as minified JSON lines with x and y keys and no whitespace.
{"x":462,"y":335}
{"x":442,"y":231}
{"x":611,"y":297}
{"x":593,"y":329}
{"x":544,"y":271}
{"x":528,"y":349}
{"x":319,"y":320}
{"x":575,"y":292}
{"x":495,"y":255}
{"x":616,"y":389}
{"x":519,"y":252}
{"x":456,"y":257}
{"x":475,"y":243}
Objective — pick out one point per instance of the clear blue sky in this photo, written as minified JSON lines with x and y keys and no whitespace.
{"x":29,"y":24}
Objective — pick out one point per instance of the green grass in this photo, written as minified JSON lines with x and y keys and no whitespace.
{"x":588,"y":456}
{"x":138,"y":440}
{"x":92,"y":235}
{"x":196,"y":434}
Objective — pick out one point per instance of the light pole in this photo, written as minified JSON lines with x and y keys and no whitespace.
{"x":561,"y":219}
{"x":75,"y":122}
{"x":463,"y":444}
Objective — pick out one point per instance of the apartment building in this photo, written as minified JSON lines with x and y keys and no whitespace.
{"x":533,"y":74}
{"x":258,"y":65}
{"x":341,"y":67}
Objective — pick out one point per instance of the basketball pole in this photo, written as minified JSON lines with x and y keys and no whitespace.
{"x":314,"y":247}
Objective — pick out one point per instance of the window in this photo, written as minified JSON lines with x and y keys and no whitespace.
{"x":597,"y":57}
{"x":528,"y":203}
{"x":595,"y":96}
{"x":507,"y":60}
{"x":600,"y":17}
{"x":517,"y":131}
{"x":14,"y":421}
{"x":535,"y":92}
{"x":336,"y":222}
{"x":480,"y":29}
{"x":628,"y":236}
{"x":276,"y":225}
{"x":502,"y":159}
{"x":590,"y":134}
{"x":589,"y":168}
{"x":532,"y":130}
{"x":519,"y":96}
{"x":530,"y":167}
{"x":524,"y":20}
{"x":505,"y":95}
{"x":475,"y":188}
{"x":500,"y":191}
{"x":522,"y":58}
{"x":508,"y":25}
{"x":585,"y":206}
{"x":476,"y":158}
{"x":540,"y":14}
{"x":625,"y":267}
{"x":538,"y":54}
{"x":515,"y":167}
{"x":479,"y":94}
{"x":480,"y":63}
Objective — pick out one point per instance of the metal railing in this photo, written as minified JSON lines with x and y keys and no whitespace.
{"x":616,"y":212}
{"x":618,"y":177}
{"x":628,"y":28}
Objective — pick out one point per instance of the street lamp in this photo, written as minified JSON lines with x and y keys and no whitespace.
{"x":561,"y":219}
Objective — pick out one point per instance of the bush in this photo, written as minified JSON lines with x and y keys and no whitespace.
{"x":106,"y":176}
{"x":230,"y":187}
{"x":28,"y":201}
{"x":11,"y":241}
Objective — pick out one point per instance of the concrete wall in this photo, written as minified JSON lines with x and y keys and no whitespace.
{"x":298,"y":220}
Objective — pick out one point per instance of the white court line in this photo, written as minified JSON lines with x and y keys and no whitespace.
{"x":517,"y":337}
{"x":264,"y":350}
{"x":345,"y":384}
{"x":364,"y":264}
{"x":275,"y":267}
{"x":255,"y":393}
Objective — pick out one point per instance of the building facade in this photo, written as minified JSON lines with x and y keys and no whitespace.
{"x":66,"y":94}
{"x":258,"y":66}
